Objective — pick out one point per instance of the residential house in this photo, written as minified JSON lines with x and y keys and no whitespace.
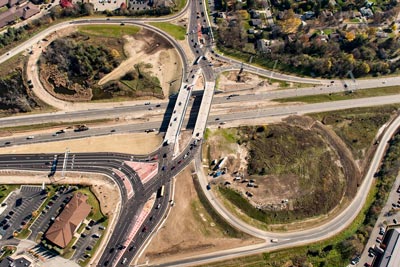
{"x":256,"y":22}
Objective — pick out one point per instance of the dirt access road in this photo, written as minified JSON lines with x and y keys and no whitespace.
{"x":145,"y":46}
{"x":189,"y":230}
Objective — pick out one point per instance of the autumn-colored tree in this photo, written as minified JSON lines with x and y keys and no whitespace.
{"x":350,"y":36}
{"x":290,"y":22}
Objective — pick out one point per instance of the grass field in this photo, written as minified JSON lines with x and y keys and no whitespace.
{"x":178,"y":32}
{"x":5,"y":190}
{"x":337,"y":250}
{"x":380,"y":91}
{"x":280,"y":156}
{"x":95,"y":214}
{"x":114,"y":31}
{"x":357,"y":127}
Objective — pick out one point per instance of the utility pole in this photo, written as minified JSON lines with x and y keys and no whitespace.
{"x":273,"y":69}
{"x":350,"y":73}
{"x":65,"y":162}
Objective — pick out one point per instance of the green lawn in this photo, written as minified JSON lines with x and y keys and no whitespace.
{"x":379,"y":91}
{"x":95,"y":214}
{"x":178,"y":32}
{"x":5,"y":190}
{"x":115,"y":31}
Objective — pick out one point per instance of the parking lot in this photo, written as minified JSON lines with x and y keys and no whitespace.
{"x":389,"y":217}
{"x":87,"y":240}
{"x":20,"y":206}
{"x":50,"y":211}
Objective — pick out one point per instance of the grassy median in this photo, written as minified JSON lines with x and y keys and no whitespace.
{"x":363,"y":93}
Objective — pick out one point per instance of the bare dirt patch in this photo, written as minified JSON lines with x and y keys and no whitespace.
{"x":150,"y":48}
{"x":189,"y":229}
{"x":137,"y":143}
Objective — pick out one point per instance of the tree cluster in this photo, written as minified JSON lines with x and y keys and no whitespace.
{"x":13,"y":95}
{"x":80,"y":61}
{"x":159,"y":11}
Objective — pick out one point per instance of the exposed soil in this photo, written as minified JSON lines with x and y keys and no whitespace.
{"x":142,"y":143}
{"x":246,"y":82}
{"x":148,"y":47}
{"x":278,"y":187}
{"x":188,"y":230}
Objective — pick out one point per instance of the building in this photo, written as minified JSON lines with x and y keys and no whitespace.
{"x":62,"y":230}
{"x":18,"y":262}
{"x":391,"y":255}
{"x":16,"y":12}
{"x":29,"y":10}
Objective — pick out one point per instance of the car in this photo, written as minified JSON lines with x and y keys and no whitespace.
{"x":88,"y":248}
{"x":367,"y":264}
{"x":394,"y":221}
{"x":55,"y":134}
{"x":30,"y":137}
{"x":217,"y":119}
{"x":7,"y":143}
{"x":121,"y":247}
{"x":101,"y":227}
{"x":158,"y":206}
{"x":208,"y":186}
{"x":381,"y":231}
{"x":379,"y":239}
{"x":106,"y":263}
{"x":113,"y":131}
{"x":96,"y":235}
{"x":10,"y":212}
{"x":163,"y":168}
{"x":131,"y":248}
{"x":173,"y":167}
{"x":179,"y":162}
{"x":122,"y":24}
{"x":158,"y":105}
{"x":111,"y":250}
{"x":147,"y":103}
{"x":23,"y":223}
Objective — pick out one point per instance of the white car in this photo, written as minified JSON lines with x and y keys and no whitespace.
{"x":30,"y":137}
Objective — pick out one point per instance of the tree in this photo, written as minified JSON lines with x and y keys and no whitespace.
{"x":290,"y":22}
{"x":350,"y":36}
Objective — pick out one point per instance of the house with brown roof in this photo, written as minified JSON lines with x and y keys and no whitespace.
{"x":29,"y":10}
{"x":62,"y":230}
{"x":16,"y":12}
